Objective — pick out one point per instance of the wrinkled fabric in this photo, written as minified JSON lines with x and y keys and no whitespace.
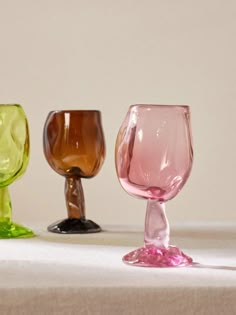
{"x":84,"y":274}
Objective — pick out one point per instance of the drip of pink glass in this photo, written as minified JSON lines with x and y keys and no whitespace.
{"x":153,"y":161}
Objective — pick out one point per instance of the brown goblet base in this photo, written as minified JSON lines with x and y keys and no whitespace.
{"x":74,"y":226}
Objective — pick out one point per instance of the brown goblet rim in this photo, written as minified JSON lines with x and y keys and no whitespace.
{"x":70,"y":111}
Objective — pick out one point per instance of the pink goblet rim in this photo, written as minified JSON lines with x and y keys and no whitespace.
{"x":160,"y":106}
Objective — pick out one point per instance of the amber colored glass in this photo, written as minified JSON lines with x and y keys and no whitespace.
{"x":74,"y":147}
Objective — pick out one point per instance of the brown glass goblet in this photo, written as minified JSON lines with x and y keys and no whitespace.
{"x":74,"y":147}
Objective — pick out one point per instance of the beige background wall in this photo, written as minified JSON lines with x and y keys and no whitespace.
{"x":107,"y":55}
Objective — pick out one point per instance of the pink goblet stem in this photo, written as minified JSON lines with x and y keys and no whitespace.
{"x":156,"y":251}
{"x":157,"y":229}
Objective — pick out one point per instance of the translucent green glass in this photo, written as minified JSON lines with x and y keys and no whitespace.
{"x":14,"y":158}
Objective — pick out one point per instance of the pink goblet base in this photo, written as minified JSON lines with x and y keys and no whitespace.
{"x":152,"y":256}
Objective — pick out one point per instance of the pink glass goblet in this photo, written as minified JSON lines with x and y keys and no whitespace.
{"x":153,"y":161}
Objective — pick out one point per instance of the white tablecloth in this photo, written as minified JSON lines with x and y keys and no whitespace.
{"x":84,"y":274}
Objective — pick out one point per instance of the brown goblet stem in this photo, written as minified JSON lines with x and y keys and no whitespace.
{"x":76,"y":222}
{"x":74,"y":198}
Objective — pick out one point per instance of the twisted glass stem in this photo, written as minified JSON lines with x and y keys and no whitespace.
{"x":157,"y":252}
{"x":5,"y":205}
{"x":74,"y":198}
{"x":9,"y":229}
{"x":156,"y":225}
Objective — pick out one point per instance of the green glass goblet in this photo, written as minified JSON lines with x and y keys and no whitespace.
{"x":14,"y":157}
